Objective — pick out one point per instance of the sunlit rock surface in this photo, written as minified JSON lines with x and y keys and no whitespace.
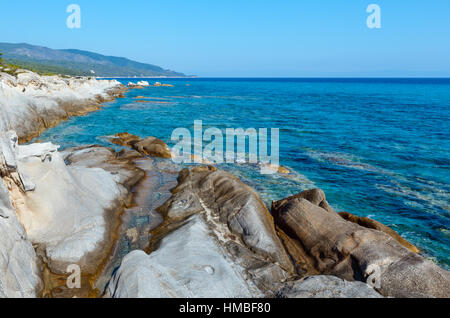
{"x":329,"y":244}
{"x":29,"y":103}
{"x":217,"y":232}
{"x":324,"y":286}
{"x":66,"y":208}
{"x":19,"y":275}
{"x":188,"y":263}
{"x":149,"y":146}
{"x":373,"y":224}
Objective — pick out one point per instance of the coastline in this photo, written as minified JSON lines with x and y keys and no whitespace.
{"x":63,"y":99}
{"x":150,"y":77}
{"x":253,"y":253}
{"x":33,"y":103}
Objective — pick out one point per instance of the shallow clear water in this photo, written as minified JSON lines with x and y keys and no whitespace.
{"x":378,"y":148}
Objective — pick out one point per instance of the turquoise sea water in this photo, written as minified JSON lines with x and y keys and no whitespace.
{"x":378,"y":147}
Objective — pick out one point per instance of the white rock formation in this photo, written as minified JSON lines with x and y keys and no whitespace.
{"x":188,"y":263}
{"x":140,"y":83}
{"x":27,"y":99}
{"x":19,"y":275}
{"x":62,"y":207}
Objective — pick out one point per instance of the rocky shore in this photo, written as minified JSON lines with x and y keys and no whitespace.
{"x":31,"y":103}
{"x":213,"y":236}
{"x":217,"y":232}
{"x":50,"y":216}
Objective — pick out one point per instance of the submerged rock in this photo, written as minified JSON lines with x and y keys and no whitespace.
{"x":149,"y":146}
{"x":158,"y":84}
{"x":271,"y":168}
{"x":324,"y":286}
{"x":329,"y":244}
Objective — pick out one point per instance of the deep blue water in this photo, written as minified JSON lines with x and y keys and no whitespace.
{"x":377,"y":147}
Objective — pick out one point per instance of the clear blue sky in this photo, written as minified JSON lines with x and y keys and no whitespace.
{"x":247,"y":37}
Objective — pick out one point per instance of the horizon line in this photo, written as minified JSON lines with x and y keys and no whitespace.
{"x":280,"y":77}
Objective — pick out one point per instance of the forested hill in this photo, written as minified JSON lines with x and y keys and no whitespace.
{"x":77,"y":62}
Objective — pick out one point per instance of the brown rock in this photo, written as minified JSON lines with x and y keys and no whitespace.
{"x":372,"y":224}
{"x":352,"y":252}
{"x":125,"y":139}
{"x":128,"y":154}
{"x":154,"y":147}
{"x":315,"y":196}
{"x":237,"y":215}
{"x":149,"y":146}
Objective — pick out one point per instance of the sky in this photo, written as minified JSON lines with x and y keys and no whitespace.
{"x":247,"y":38}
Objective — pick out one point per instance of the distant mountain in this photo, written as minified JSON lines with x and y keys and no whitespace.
{"x":76,"y":62}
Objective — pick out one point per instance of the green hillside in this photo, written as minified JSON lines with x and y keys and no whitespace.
{"x":77,"y":62}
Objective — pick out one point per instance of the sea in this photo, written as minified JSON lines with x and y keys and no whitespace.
{"x":379,"y":148}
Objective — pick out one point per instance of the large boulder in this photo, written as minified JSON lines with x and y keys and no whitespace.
{"x":235,"y":208}
{"x":125,"y":139}
{"x":154,"y":147}
{"x":374,"y":224}
{"x":325,"y":286}
{"x":215,"y":229}
{"x":331,"y":245}
{"x":151,"y":146}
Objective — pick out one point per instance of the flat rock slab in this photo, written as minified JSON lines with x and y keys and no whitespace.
{"x":188,"y":263}
{"x":324,"y":286}
{"x":217,"y":240}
